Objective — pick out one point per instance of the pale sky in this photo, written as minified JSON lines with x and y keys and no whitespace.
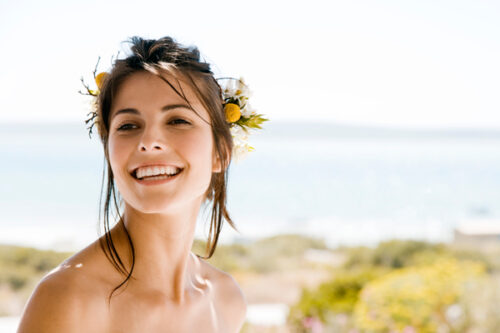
{"x":398,"y":63}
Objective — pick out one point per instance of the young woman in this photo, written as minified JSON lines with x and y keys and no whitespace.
{"x":161,"y":118}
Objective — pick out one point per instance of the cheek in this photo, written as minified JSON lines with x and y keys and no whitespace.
{"x":198,"y":152}
{"x":200,"y":149}
{"x":117,"y":150}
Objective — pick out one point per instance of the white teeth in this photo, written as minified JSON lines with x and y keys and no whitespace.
{"x":156,"y":170}
{"x":158,"y":177}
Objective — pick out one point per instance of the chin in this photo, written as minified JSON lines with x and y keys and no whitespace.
{"x":163,"y":204}
{"x":156,"y":207}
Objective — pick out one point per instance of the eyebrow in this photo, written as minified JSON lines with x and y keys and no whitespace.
{"x":163,"y":109}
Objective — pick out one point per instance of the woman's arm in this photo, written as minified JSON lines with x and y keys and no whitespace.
{"x":59,"y":305}
{"x":236,"y":305}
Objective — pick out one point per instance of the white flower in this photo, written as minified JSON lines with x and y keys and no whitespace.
{"x":238,"y":134}
{"x":240,"y":151}
{"x":240,"y":143}
{"x":247,"y":111}
{"x":230,"y":88}
{"x":244,"y":90}
{"x":238,"y":90}
{"x":228,"y":92}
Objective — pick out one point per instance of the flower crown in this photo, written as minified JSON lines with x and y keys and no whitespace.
{"x":240,"y":116}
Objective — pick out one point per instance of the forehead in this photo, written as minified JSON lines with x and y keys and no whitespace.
{"x":145,"y":90}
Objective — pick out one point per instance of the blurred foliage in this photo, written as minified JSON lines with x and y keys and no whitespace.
{"x":338,"y":295}
{"x":391,"y":254}
{"x":20,"y":265}
{"x":415,"y":298}
{"x":403,"y":253}
{"x":264,"y":255}
{"x":399,"y":285}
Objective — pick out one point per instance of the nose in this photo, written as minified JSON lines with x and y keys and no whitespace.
{"x":151,"y":140}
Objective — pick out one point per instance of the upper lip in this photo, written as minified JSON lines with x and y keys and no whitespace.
{"x":152,"y":164}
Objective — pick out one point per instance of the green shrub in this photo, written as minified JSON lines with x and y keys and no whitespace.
{"x":337,"y":296}
{"x":395,"y":285}
{"x":391,"y":254}
{"x":262,"y":256}
{"x":415,"y":298}
{"x":20,"y":265}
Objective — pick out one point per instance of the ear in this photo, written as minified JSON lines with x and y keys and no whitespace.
{"x":216,"y":165}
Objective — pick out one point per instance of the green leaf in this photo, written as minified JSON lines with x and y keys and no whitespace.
{"x":253,"y":122}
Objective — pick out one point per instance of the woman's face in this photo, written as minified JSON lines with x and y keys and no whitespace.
{"x":151,"y":124}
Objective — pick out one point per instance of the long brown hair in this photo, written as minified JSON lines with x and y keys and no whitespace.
{"x":165,"y":56}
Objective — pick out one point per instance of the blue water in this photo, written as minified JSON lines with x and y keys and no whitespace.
{"x":344,"y":183}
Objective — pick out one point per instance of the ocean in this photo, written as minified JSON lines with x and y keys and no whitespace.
{"x":350,"y":185}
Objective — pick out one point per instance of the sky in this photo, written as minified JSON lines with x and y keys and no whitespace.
{"x":423,"y":63}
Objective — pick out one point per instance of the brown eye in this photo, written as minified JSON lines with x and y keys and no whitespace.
{"x":179,"y":121}
{"x":125,"y":127}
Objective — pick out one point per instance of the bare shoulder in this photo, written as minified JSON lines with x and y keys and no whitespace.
{"x":63,"y":301}
{"x":230,"y":297}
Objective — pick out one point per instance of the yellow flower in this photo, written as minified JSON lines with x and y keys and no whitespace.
{"x":99,"y":78}
{"x":232,"y":112}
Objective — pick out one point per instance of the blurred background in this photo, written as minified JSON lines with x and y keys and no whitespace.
{"x":378,"y":170}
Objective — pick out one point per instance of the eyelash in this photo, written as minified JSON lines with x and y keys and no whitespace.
{"x":120,"y":128}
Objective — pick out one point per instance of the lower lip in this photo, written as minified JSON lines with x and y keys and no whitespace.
{"x":148,"y":182}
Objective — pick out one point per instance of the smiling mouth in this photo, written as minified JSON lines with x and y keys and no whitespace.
{"x":156,"y":177}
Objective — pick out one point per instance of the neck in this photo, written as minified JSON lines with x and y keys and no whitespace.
{"x":162,"y":243}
